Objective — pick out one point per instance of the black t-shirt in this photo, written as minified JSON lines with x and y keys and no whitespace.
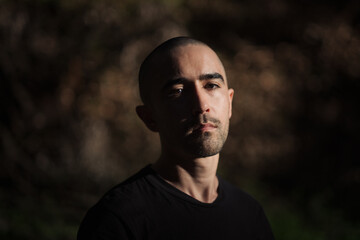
{"x":147,"y":207}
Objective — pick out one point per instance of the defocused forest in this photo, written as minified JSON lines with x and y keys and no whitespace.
{"x":68,"y":88}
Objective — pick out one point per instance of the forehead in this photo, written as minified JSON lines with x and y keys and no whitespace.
{"x":190,"y":62}
{"x":195,"y":57}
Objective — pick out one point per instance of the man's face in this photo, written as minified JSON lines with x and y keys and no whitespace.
{"x":191,"y":102}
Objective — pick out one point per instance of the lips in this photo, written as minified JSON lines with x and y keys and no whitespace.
{"x":204,"y":127}
{"x":203,"y":124}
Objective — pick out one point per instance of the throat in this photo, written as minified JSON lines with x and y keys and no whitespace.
{"x":195,"y":177}
{"x":203,"y":190}
{"x":207,"y":195}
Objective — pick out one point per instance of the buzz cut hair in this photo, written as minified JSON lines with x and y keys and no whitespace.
{"x":146,"y":66}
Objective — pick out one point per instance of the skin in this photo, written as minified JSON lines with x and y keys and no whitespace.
{"x":190,"y":109}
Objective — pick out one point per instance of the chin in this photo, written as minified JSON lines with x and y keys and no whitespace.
{"x":205,"y":144}
{"x":204,"y":150}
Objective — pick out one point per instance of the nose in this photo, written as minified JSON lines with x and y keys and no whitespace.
{"x":200,"y":102}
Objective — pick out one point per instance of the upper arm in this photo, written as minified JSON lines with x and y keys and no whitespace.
{"x":262,"y":228}
{"x":103,"y":225}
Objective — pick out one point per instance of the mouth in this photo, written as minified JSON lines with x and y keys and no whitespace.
{"x":204,"y":127}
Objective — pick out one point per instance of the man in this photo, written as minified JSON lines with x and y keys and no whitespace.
{"x":186,"y":100}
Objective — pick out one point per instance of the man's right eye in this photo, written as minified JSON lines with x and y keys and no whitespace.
{"x":175,"y":92}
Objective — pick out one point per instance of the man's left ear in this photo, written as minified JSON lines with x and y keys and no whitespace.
{"x":231,"y":95}
{"x":145,"y":114}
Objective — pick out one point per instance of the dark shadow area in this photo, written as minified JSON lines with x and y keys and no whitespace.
{"x":68,"y":91}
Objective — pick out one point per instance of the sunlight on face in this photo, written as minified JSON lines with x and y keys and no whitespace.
{"x":192,"y":102}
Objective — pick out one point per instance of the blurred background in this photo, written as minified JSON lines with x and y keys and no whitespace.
{"x":68,"y":88}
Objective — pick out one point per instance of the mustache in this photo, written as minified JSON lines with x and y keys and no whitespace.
{"x":195,"y":123}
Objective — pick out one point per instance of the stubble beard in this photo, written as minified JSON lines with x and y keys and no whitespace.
{"x":209,"y":143}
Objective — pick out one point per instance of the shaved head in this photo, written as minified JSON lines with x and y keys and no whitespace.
{"x":186,"y":98}
{"x":155,"y":59}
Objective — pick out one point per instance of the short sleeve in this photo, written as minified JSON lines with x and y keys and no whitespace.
{"x":262,"y":228}
{"x":103,"y":225}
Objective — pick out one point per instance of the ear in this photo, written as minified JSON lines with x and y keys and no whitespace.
{"x":231,"y":95}
{"x":146,"y":116}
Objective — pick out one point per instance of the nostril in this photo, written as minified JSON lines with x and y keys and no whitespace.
{"x":200,"y":110}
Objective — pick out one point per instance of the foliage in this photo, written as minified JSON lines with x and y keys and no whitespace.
{"x":68,"y":88}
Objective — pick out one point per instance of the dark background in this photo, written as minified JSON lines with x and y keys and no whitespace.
{"x":69,"y":132}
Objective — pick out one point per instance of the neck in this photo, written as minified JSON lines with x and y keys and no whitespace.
{"x":193,"y":176}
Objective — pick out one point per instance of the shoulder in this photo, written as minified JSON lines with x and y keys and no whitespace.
{"x":238,"y":197}
{"x":128,"y":195}
{"x":248,"y":210}
{"x":116,"y":212}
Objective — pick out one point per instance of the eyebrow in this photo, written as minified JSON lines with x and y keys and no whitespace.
{"x":209,"y":76}
{"x":206,"y":76}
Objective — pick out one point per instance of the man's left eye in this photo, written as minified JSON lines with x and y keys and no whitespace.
{"x":211,"y":86}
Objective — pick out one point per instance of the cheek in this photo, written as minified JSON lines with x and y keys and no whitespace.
{"x":222,"y":102}
{"x":178,"y":110}
{"x":171,"y":117}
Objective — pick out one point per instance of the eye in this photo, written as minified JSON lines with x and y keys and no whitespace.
{"x":212,"y":86}
{"x":175,"y":92}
